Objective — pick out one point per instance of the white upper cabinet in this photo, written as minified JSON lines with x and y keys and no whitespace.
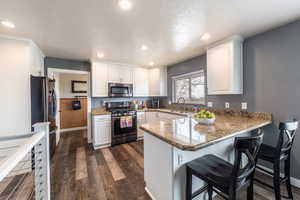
{"x":146,"y":82}
{"x":158,"y":81}
{"x":120,"y":74}
{"x":225,"y":67}
{"x":99,"y":79}
{"x":141,"y":82}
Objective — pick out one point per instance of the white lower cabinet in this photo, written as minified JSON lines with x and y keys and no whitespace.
{"x":101,"y":131}
{"x":141,"y":119}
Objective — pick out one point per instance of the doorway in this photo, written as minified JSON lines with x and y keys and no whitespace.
{"x":73,"y":101}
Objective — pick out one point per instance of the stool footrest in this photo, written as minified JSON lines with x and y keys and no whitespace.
{"x":199,"y":191}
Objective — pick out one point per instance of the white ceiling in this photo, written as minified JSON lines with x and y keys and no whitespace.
{"x":172,"y":29}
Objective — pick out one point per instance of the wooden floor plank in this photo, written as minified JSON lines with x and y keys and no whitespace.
{"x":108,"y":181}
{"x":113,"y":165}
{"x":139,"y":159}
{"x":95,"y":179}
{"x":25,"y":189}
{"x":133,"y":172}
{"x":4,"y":183}
{"x":81,"y":167}
{"x":138,"y":147}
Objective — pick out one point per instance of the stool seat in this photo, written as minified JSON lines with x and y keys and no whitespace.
{"x":266,"y":152}
{"x":222,"y":177}
{"x":213,"y":170}
{"x":282,"y":152}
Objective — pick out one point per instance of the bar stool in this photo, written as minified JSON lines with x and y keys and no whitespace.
{"x":274,"y":155}
{"x":223,"y":177}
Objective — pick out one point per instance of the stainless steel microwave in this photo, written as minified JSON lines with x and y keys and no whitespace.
{"x":120,"y":90}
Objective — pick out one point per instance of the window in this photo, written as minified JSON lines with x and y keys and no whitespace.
{"x":189,"y":86}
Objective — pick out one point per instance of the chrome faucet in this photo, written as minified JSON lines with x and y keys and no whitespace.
{"x":182,"y":99}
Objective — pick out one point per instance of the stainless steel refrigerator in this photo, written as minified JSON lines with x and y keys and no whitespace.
{"x":44,"y":105}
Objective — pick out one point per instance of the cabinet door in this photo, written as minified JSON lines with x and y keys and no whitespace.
{"x":102,"y":130}
{"x":154,"y":82}
{"x":141,"y":84}
{"x":158,"y":82}
{"x":152,"y":117}
{"x":99,"y":80}
{"x":126,"y":74}
{"x":120,"y":74}
{"x":163,"y":82}
{"x":225,"y":68}
{"x":219,"y":69}
{"x":114,"y":74}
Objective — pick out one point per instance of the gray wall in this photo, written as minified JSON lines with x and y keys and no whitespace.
{"x":60,"y":63}
{"x":271,"y":79}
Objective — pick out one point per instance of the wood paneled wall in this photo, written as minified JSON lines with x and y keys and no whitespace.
{"x":70,"y":118}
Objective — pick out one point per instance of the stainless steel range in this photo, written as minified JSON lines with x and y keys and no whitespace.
{"x":123,"y":122}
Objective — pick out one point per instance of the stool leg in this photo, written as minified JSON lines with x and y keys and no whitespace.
{"x":276,"y":180}
{"x":188,"y":184}
{"x":288,"y":175}
{"x":210,"y":192}
{"x":250,"y":189}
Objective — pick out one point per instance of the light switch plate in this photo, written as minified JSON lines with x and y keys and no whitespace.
{"x":210,"y":104}
{"x":244,"y":106}
{"x":227,"y":105}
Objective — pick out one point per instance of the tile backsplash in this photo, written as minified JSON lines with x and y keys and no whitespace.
{"x":99,"y":102}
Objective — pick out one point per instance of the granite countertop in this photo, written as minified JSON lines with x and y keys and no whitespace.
{"x":186,"y":134}
{"x":100,"y":111}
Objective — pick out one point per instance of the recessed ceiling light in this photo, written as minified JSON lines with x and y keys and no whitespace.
{"x":151,"y":63}
{"x":100,"y":55}
{"x":8,"y":24}
{"x":205,"y":36}
{"x":144,"y":48}
{"x":125,"y":4}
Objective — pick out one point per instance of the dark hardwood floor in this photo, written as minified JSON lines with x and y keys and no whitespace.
{"x":116,"y":173}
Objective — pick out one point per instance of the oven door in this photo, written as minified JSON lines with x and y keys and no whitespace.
{"x":117,"y":131}
{"x":119,"y":90}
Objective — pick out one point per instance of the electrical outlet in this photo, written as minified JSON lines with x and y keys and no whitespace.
{"x":210,"y":104}
{"x":227,"y":105}
{"x":244,"y":105}
{"x":170,"y":102}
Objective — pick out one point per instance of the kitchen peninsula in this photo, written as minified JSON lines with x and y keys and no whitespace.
{"x":169,"y":144}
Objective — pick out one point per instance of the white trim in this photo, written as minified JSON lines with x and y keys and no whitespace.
{"x":73,"y":129}
{"x":9,"y":164}
{"x":294,"y":181}
{"x":89,"y":95}
{"x":102,"y":146}
{"x":116,"y":63}
{"x":188,"y":74}
{"x":234,"y":37}
{"x":66,"y":71}
{"x":150,"y":194}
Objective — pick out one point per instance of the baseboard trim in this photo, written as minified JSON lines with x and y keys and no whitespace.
{"x":294,"y":181}
{"x":73,"y":129}
{"x":102,"y":146}
{"x":149,"y":193}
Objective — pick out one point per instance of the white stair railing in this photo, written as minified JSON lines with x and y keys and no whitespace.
{"x":15,"y":157}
